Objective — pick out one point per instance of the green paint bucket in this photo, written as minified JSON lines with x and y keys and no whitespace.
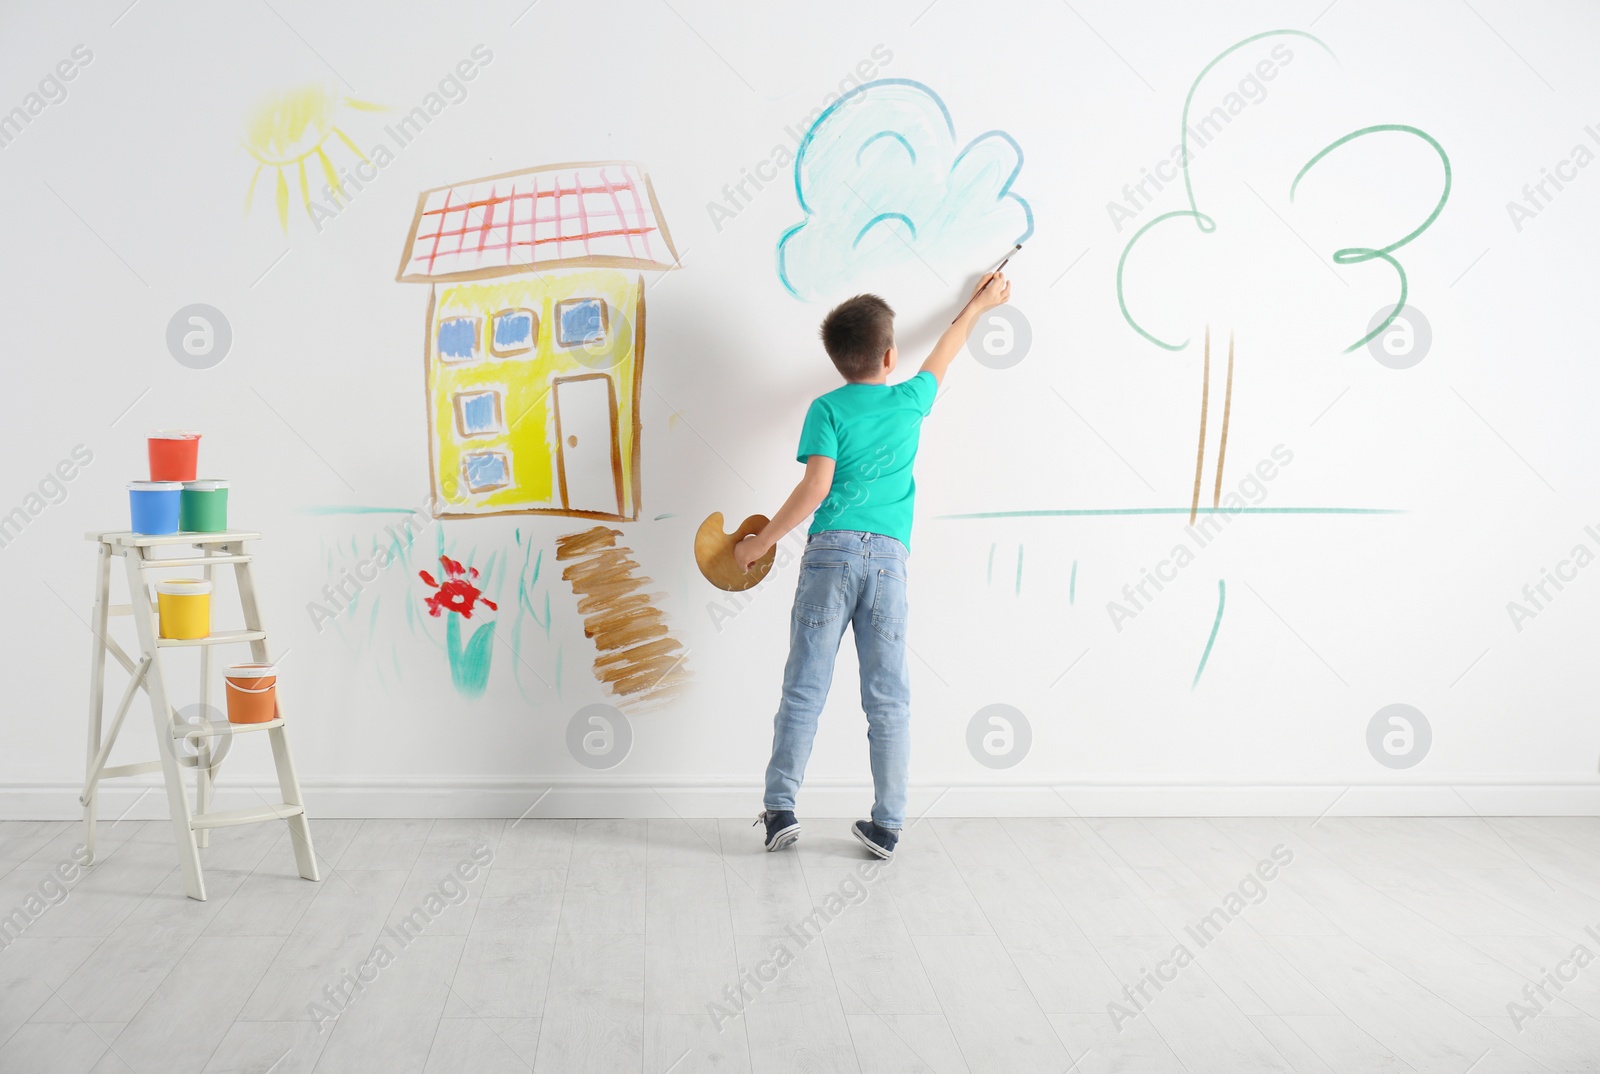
{"x":203,"y":508}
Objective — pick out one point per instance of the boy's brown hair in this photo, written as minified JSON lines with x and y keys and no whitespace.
{"x":857,"y":333}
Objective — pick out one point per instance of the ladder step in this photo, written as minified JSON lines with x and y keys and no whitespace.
{"x":124,"y":539}
{"x":223,"y":727}
{"x":216,"y":637}
{"x":253,"y":815}
{"x":191,"y":561}
{"x":119,"y":609}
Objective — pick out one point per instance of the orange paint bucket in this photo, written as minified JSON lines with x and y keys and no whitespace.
{"x":252,"y":691}
{"x":174,"y":455}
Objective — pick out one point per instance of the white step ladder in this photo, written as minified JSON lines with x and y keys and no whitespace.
{"x":210,"y":550}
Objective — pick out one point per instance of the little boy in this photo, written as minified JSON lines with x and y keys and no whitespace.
{"x":858,"y":443}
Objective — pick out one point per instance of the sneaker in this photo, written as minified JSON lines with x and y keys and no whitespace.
{"x":881,"y":841}
{"x":782,"y":827}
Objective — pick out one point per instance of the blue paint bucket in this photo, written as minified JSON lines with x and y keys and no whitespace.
{"x":154,"y":505}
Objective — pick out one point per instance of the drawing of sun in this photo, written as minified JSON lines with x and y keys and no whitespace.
{"x":287,"y":129}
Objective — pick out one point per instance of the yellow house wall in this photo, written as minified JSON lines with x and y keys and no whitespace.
{"x":527,"y":408}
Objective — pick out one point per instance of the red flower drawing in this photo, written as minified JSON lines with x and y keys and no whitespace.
{"x":456,"y":593}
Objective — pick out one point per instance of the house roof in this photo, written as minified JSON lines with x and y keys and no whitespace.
{"x":593,"y":215}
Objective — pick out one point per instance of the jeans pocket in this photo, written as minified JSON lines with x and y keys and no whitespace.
{"x":819,"y":598}
{"x":889,"y":608}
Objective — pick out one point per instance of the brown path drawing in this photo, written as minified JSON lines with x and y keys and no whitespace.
{"x":639,"y":659}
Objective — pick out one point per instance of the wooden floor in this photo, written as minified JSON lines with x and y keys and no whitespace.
{"x":988,"y":945}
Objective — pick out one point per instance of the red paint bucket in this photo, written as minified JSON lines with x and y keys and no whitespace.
{"x":174,"y":455}
{"x":252,"y":691}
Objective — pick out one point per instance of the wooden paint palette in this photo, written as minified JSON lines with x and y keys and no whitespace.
{"x":713,"y":553}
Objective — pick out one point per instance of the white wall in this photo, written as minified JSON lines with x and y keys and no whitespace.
{"x":124,"y":204}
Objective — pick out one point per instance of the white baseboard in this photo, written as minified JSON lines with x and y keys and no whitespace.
{"x":143,"y":799}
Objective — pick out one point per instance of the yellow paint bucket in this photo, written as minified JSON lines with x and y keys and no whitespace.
{"x":184,"y":607}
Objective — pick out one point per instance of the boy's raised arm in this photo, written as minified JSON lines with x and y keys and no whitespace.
{"x":806,"y":497}
{"x":985,"y":296}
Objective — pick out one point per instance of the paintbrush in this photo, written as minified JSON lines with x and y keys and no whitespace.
{"x":990,"y":280}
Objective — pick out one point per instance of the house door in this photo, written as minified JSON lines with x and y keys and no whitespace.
{"x":589,"y":460}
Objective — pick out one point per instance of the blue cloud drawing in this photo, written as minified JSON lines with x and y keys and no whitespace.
{"x":883,"y":180}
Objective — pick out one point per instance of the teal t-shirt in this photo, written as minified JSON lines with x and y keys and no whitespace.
{"x":870,"y":431}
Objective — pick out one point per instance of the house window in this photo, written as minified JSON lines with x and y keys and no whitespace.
{"x":478,"y":413}
{"x":515,"y":331}
{"x":458,"y":339}
{"x":580,"y":321}
{"x":485,"y":471}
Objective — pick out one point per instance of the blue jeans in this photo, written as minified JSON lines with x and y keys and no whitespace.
{"x":847,"y":578}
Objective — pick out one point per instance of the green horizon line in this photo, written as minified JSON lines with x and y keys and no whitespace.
{"x":1081,"y":512}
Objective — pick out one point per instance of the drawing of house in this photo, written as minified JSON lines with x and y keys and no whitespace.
{"x":535,"y":340}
